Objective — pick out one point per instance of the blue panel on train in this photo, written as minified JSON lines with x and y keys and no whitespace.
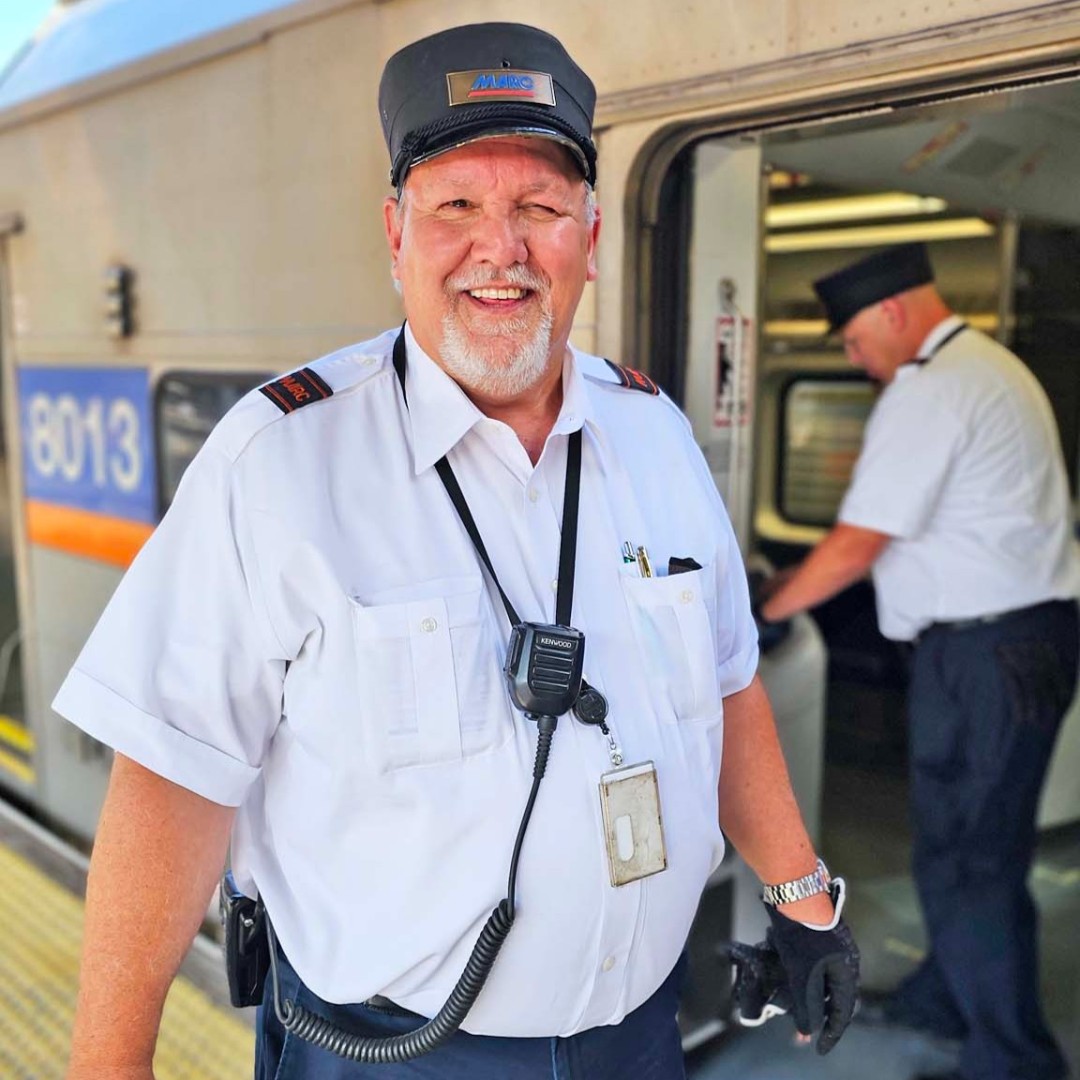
{"x":86,"y":439}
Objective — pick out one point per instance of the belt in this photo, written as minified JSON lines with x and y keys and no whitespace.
{"x":987,"y":620}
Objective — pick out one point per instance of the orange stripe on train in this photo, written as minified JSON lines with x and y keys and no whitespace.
{"x":82,"y":532}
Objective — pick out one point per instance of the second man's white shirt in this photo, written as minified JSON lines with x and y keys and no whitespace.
{"x":961,"y":463}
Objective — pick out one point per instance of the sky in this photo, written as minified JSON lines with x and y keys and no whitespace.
{"x":18,"y":20}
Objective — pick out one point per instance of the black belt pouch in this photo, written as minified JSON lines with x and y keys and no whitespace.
{"x":247,"y":947}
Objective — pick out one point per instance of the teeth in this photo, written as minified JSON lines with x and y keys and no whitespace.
{"x":497,"y":294}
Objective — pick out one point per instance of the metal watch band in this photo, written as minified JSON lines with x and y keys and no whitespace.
{"x":799,"y":889}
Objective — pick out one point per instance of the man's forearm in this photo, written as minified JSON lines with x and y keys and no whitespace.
{"x":842,"y":558}
{"x":758,"y":812}
{"x":158,"y":852}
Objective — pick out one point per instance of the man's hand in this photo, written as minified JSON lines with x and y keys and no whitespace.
{"x":822,"y":968}
{"x":774,"y":582}
{"x":770,"y":634}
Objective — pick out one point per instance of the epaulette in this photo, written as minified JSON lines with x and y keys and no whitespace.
{"x":297,"y":389}
{"x":632,"y":379}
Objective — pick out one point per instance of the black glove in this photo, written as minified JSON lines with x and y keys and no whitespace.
{"x":822,"y":968}
{"x":761,"y":988}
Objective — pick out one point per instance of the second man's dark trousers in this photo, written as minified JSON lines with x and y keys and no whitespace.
{"x":985,"y":706}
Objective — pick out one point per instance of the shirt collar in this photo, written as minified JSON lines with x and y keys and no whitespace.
{"x":441,"y":414}
{"x":938,"y":335}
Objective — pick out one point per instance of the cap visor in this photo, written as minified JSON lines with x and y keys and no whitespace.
{"x":509,"y":131}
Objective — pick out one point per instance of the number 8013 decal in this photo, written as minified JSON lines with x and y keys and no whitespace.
{"x":86,"y":440}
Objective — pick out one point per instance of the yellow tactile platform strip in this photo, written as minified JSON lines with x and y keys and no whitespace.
{"x":40,"y":937}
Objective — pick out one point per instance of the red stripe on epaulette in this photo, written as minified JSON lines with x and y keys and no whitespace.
{"x":633,"y":380}
{"x":297,"y":389}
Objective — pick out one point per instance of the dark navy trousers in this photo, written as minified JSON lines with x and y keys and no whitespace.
{"x":645,"y":1046}
{"x":985,"y":706}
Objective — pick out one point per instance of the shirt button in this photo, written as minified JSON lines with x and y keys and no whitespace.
{"x":608,"y":964}
{"x":369,"y":360}
{"x":429,"y":625}
{"x":554,"y":584}
{"x":686,"y":596}
{"x":533,"y":495}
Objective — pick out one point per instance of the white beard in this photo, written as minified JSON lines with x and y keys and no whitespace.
{"x":492,"y":363}
{"x":485,"y":365}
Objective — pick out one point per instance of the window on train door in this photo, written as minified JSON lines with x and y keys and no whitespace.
{"x":187,"y":405}
{"x":822,"y":421}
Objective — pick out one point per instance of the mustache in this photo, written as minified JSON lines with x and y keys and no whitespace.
{"x":518,"y":275}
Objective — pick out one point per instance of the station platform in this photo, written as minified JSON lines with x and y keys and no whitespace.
{"x":41,"y":916}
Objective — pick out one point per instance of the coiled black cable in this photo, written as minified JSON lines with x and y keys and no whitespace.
{"x":390,"y":1049}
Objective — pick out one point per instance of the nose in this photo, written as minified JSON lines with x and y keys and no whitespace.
{"x":499,"y":238}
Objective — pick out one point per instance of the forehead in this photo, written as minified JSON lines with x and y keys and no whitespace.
{"x":541,"y":162}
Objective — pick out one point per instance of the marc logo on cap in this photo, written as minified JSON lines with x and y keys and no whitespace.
{"x":500,"y":84}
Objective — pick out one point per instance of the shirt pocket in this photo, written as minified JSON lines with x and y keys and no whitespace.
{"x":429,"y":680}
{"x":672,"y":622}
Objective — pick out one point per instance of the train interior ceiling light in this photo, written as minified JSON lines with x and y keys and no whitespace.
{"x":885,"y":204}
{"x":873,"y":235}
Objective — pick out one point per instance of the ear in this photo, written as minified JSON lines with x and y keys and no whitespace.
{"x":594,"y":236}
{"x":892,"y":307}
{"x":393,"y":222}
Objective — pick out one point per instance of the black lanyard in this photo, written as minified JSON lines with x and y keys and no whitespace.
{"x":920,"y":360}
{"x":564,"y":596}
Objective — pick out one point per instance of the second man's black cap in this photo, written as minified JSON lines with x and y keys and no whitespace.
{"x":881,"y":275}
{"x":475,"y":82}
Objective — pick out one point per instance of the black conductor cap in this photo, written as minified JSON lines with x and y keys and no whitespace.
{"x":846,"y":292}
{"x":481,"y":81}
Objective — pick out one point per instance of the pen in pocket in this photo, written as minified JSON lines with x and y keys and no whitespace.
{"x":644,"y":565}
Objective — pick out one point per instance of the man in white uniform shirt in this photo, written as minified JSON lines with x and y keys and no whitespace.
{"x":959,"y":506}
{"x":307,"y":657}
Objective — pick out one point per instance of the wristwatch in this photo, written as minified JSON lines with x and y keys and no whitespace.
{"x":799,"y":889}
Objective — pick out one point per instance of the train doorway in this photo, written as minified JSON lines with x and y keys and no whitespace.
{"x":988,"y":182}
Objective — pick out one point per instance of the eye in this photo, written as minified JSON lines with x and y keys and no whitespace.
{"x":456,"y":204}
{"x":541,"y":211}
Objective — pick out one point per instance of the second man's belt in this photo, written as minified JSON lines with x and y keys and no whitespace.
{"x":997,"y":617}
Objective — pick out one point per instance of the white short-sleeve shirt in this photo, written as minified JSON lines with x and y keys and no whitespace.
{"x":961,"y":464}
{"x":308,"y":635}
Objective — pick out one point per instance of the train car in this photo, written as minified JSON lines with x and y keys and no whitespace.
{"x":189,"y":202}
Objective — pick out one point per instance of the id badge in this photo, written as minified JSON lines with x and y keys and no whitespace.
{"x":633,"y":830}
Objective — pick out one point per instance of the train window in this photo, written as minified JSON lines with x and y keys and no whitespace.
{"x":187,"y":405}
{"x":822,"y":421}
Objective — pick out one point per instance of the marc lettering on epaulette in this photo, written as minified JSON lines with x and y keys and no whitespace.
{"x":633,"y":380}
{"x":296,"y":389}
